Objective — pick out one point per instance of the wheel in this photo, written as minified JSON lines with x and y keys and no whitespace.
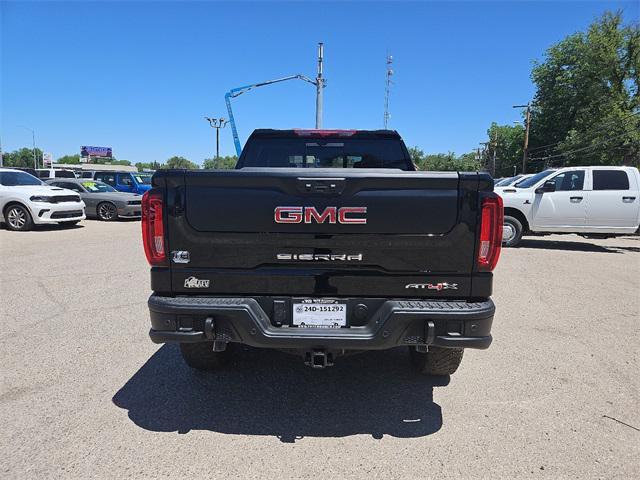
{"x":437,"y":361}
{"x":202,"y":357}
{"x":18,"y":218}
{"x":69,"y":224}
{"x":511,"y":231}
{"x":107,"y":211}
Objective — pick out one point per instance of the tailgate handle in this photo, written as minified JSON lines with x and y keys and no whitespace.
{"x":178,"y":202}
{"x":327,"y":186}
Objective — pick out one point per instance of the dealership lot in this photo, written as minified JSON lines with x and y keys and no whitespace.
{"x":85,"y":394}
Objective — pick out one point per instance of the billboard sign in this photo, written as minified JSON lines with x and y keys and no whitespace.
{"x":86,"y":151}
{"x":47,"y":159}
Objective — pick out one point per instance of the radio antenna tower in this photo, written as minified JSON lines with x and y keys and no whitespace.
{"x":387,"y":91}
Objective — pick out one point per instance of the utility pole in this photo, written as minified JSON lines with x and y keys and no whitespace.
{"x":217,"y":123}
{"x":492,"y":168}
{"x":35,"y":157}
{"x":527,"y":124}
{"x":387,"y":91}
{"x":319,"y":86}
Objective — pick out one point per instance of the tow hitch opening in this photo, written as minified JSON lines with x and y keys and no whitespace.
{"x":318,"y":359}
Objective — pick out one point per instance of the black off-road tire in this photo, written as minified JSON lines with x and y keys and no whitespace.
{"x":202,"y":357}
{"x":515,"y":226}
{"x":18,"y":218}
{"x":437,"y":361}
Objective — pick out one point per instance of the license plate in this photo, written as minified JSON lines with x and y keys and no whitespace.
{"x":320,"y":314}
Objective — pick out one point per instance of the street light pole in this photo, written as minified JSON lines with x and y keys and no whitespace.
{"x":217,"y":123}
{"x":33,"y":140}
{"x":527,"y":124}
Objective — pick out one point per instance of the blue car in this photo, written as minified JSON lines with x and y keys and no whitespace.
{"x":131,"y":182}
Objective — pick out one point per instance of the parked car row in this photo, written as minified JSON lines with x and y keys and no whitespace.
{"x":132,"y":182}
{"x":26,"y":201}
{"x":589,"y":201}
{"x":102,"y":200}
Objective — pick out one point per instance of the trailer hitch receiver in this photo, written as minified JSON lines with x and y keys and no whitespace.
{"x":318,"y":359}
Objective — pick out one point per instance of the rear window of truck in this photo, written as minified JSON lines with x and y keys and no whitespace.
{"x":325,"y":153}
{"x":610,"y":180}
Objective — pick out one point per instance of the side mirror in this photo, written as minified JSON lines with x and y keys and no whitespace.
{"x":548,"y":186}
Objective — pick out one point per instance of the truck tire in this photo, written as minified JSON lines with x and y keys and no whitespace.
{"x":18,"y":218}
{"x":202,"y":357}
{"x":512,"y":231}
{"x":437,"y":361}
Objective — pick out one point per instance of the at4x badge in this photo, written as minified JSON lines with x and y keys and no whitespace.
{"x":433,"y":286}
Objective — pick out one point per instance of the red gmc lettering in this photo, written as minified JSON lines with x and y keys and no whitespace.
{"x":288,"y":215}
{"x":344,"y":211}
{"x":310,"y":213}
{"x":344,"y":215}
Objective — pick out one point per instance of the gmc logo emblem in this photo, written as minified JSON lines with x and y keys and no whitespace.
{"x":344,"y":215}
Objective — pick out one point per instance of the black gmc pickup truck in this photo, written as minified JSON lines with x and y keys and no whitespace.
{"x":321,"y":243}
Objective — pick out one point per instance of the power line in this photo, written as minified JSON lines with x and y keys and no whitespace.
{"x":549,"y":157}
{"x":602,"y":127}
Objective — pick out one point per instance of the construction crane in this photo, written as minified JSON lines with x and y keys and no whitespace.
{"x":234,"y":92}
{"x":319,"y":83}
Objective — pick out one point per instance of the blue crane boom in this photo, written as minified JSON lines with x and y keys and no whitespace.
{"x":234,"y":92}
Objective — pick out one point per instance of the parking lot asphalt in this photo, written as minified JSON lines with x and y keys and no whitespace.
{"x":85,"y":394}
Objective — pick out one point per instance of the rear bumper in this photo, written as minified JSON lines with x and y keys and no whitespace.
{"x":390,"y":323}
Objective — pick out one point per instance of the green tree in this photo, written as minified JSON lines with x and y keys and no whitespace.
{"x":508,"y":143}
{"x":149,"y":166}
{"x":588,"y":96}
{"x":444,"y":161}
{"x":69,"y":159}
{"x":22,"y":157}
{"x":227,"y":162}
{"x":180,"y":162}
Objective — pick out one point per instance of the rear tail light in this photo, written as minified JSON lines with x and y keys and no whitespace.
{"x":490,"y":244}
{"x":153,"y":228}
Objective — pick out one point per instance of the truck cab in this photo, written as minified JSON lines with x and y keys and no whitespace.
{"x":590,"y":201}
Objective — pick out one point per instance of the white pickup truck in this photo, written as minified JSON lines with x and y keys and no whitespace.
{"x":589,"y":201}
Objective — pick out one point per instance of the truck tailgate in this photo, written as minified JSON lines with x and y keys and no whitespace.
{"x":298,"y":232}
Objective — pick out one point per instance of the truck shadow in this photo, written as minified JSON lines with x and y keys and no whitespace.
{"x":574,"y":246}
{"x":271,"y":393}
{"x":45,"y":228}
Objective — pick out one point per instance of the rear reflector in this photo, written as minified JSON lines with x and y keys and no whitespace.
{"x":324,"y":133}
{"x":153,"y":228}
{"x":490,"y":242}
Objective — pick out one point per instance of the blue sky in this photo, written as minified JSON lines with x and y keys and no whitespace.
{"x":140,"y":76}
